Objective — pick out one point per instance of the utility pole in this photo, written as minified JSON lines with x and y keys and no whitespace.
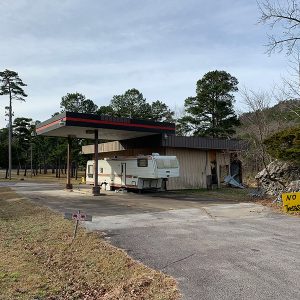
{"x":9,"y":137}
{"x":31,"y":159}
{"x":33,"y":134}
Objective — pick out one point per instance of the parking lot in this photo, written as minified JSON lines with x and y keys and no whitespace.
{"x":216,"y":249}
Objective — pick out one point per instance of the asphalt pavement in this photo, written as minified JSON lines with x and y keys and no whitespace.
{"x":215,"y":249}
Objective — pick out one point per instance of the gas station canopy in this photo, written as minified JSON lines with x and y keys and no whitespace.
{"x":87,"y":126}
{"x":79,"y":125}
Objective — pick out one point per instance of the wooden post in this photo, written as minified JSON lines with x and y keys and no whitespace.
{"x":69,"y":186}
{"x":96,"y":187}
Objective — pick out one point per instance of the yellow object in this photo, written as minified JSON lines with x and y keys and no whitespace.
{"x":291,"y":201}
{"x":82,"y":179}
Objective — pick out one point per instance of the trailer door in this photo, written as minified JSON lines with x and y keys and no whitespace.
{"x":123,"y":173}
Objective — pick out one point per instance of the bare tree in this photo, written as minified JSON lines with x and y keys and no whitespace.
{"x":258,"y":125}
{"x":283,"y":16}
{"x":289,"y":91}
{"x":255,"y":125}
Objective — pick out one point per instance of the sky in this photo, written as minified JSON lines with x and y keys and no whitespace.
{"x":102,"y":48}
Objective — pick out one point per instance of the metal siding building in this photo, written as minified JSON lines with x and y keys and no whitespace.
{"x":197,"y":156}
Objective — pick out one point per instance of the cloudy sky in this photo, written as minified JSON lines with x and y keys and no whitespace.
{"x":104,"y":47}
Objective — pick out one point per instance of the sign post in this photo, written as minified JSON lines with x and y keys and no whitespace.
{"x":291,"y":201}
{"x":77,"y":217}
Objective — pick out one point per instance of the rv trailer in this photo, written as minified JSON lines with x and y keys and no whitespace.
{"x":141,"y":172}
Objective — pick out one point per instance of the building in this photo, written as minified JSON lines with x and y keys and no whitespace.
{"x":203,"y":161}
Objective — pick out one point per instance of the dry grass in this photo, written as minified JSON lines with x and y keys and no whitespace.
{"x":42,"y":178}
{"x":269,"y":202}
{"x":39,"y":261}
{"x":224,"y":193}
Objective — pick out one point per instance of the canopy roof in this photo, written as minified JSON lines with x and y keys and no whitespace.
{"x":109,"y":128}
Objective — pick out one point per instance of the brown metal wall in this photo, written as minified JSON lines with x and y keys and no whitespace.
{"x":195,"y":166}
{"x":132,"y":152}
{"x":103,"y":147}
{"x":193,"y":171}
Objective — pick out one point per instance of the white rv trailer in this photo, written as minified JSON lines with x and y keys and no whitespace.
{"x":140,"y":172}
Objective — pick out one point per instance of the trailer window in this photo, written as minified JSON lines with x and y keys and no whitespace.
{"x":142,"y":162}
{"x":90,"y":169}
{"x":167,"y":163}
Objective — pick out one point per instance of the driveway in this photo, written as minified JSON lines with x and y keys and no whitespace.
{"x":215,"y":249}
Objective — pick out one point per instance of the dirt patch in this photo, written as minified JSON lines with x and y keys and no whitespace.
{"x":39,"y":261}
{"x":269,"y":202}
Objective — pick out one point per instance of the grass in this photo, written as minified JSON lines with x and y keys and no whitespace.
{"x":41,"y":178}
{"x":38,"y":260}
{"x":224,"y":193}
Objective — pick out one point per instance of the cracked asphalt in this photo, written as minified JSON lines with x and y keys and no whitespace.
{"x":215,"y":249}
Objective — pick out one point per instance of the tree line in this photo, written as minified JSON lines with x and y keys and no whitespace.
{"x":208,"y":113}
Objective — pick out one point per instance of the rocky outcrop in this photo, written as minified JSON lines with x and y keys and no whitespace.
{"x":278,"y":177}
{"x":294,"y":186}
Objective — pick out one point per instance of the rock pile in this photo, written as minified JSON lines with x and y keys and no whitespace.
{"x":278,"y":177}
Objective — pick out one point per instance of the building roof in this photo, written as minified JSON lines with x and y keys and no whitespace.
{"x":171,"y":141}
{"x":197,"y":142}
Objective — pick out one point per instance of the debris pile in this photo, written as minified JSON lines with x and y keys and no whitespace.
{"x":279,"y":177}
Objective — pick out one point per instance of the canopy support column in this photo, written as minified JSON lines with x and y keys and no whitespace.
{"x":69,"y":185}
{"x":96,"y":187}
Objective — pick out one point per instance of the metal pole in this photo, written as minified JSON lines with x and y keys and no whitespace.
{"x":9,"y":138}
{"x":76,"y":226}
{"x":31,"y":159}
{"x":69,"y":186}
{"x":96,"y":187}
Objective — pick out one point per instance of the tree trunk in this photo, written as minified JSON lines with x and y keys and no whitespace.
{"x":59,"y":168}
{"x":45,"y":166}
{"x":76,"y":170}
{"x":6,"y":173}
{"x":19,"y":164}
{"x":25,"y":169}
{"x":56,"y":170}
{"x":73,"y":169}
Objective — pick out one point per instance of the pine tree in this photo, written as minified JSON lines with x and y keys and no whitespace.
{"x":210,"y":112}
{"x":12,"y":85}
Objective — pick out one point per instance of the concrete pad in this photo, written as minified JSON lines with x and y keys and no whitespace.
{"x":145,"y":219}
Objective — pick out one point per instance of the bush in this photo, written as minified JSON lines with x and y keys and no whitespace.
{"x":285,"y":145}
